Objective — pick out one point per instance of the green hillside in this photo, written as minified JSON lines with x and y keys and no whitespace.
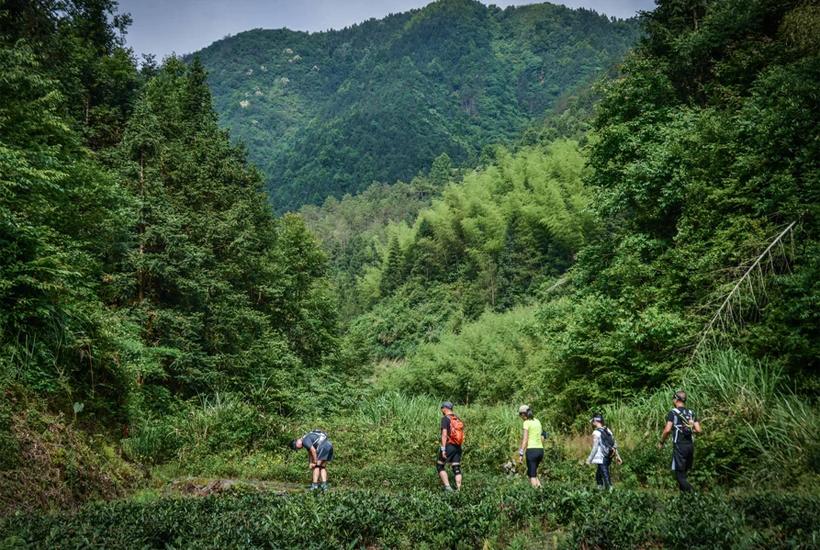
{"x":326,"y":114}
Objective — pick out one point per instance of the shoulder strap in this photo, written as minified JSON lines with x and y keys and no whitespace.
{"x":321,"y":438}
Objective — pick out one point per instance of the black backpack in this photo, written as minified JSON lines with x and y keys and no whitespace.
{"x":607,"y":441}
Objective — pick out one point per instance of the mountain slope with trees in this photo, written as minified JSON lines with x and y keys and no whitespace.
{"x":326,"y":114}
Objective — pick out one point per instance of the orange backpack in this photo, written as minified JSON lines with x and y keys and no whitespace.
{"x":456,"y":436}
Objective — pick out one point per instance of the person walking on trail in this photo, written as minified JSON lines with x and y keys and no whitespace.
{"x":683,"y":425}
{"x":604,"y":449}
{"x":320,"y":452}
{"x":532,"y":445}
{"x":452,"y":436}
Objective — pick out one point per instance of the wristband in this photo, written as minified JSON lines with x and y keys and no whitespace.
{"x":443,"y":449}
{"x":520,"y":452}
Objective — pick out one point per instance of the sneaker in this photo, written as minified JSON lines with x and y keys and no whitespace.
{"x":313,"y":487}
{"x":324,"y":486}
{"x":448,"y":489}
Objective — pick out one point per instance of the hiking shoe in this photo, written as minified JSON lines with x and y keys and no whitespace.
{"x":448,"y":489}
{"x":324,"y":486}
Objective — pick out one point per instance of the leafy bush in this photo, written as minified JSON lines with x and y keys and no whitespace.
{"x":413,"y":519}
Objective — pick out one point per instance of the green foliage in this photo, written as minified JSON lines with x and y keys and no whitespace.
{"x":48,"y":462}
{"x":418,"y":519}
{"x":326,"y":114}
{"x":489,"y":242}
{"x":698,"y":159}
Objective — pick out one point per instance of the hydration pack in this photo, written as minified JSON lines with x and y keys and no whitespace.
{"x":685,"y":426}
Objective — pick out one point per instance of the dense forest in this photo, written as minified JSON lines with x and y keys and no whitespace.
{"x":325,"y":114}
{"x":165,"y":332}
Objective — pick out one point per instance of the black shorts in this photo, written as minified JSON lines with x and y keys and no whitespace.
{"x":534,"y":458}
{"x":683,"y":457}
{"x":453,"y":454}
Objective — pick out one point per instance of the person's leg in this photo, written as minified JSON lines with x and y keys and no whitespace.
{"x":323,"y":465}
{"x":605,"y":473}
{"x":682,"y":482}
{"x":454,"y":455}
{"x":682,"y":462}
{"x":443,"y":475}
{"x":534,"y":457}
{"x":599,"y":477}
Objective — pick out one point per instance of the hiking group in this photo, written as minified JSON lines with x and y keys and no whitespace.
{"x":681,"y":423}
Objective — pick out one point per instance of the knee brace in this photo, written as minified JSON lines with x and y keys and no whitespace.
{"x":457,"y":469}
{"x":439,"y":468}
{"x":320,"y":467}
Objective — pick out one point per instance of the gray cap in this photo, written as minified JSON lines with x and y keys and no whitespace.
{"x":523,"y":409}
{"x":446,"y":405}
{"x":597,"y":417}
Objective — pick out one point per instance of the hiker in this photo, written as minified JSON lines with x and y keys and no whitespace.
{"x":532,"y":446}
{"x":604,"y":449}
{"x":685,"y":424}
{"x":452,"y":436}
{"x":320,"y":452}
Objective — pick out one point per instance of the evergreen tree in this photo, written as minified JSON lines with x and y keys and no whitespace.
{"x":393,"y":273}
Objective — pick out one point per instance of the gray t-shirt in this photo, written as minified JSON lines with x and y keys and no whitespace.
{"x":311,"y":439}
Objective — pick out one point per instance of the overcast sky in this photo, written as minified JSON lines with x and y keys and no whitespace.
{"x":183,"y":26}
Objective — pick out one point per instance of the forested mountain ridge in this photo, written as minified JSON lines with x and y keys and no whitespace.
{"x":326,"y":114}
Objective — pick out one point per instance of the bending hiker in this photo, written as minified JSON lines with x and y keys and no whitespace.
{"x":604,"y":449}
{"x":685,"y":424}
{"x":452,"y":436}
{"x":532,"y":446}
{"x":320,"y":452}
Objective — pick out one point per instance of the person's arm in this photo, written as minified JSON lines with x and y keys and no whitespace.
{"x":313,"y":458}
{"x":596,"y":441}
{"x":617,"y":454}
{"x":666,"y":431}
{"x":523,"y":448}
{"x":696,"y":427}
{"x":444,"y":442}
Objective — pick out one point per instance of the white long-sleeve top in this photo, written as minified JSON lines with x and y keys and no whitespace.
{"x":596,"y":456}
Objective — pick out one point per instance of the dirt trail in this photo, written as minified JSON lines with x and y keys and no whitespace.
{"x":203,"y":487}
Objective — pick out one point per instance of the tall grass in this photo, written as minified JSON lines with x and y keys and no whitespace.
{"x":740,"y":402}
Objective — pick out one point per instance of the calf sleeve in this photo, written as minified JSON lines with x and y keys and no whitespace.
{"x":457,"y":469}
{"x":440,"y":467}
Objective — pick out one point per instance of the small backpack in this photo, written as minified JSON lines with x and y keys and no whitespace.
{"x":607,"y":442}
{"x":456,"y":430}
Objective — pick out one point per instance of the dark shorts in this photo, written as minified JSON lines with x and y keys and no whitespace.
{"x":683,"y":457}
{"x":534,"y":458}
{"x":453,"y":454}
{"x":325,"y":452}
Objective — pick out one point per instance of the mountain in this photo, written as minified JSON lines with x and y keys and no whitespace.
{"x":328,"y":113}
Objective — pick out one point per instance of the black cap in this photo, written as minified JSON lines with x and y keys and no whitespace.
{"x":597,"y":418}
{"x":679,"y":397}
{"x":446,"y":405}
{"x":293,"y":445}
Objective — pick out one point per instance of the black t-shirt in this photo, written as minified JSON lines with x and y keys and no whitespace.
{"x":674,"y":417}
{"x":445,"y":425}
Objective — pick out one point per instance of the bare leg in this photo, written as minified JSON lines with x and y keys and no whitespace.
{"x":324,"y":471}
{"x":444,"y":478}
{"x":457,"y":468}
{"x":315,"y":475}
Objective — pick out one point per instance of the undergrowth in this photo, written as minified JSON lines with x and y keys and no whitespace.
{"x":559,"y":516}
